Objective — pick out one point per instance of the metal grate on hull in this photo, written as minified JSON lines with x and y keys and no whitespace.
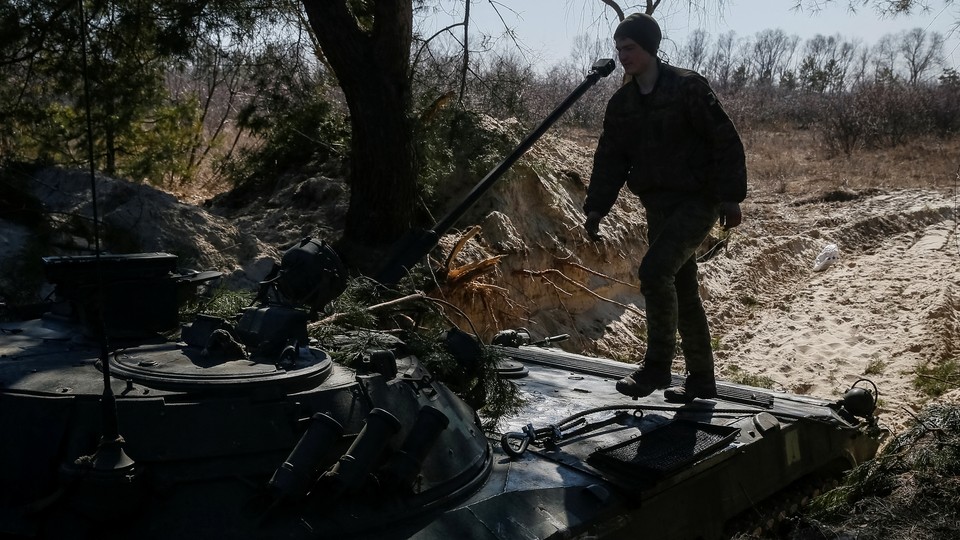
{"x":664,"y":449}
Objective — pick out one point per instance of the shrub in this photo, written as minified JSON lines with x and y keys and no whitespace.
{"x":294,"y":134}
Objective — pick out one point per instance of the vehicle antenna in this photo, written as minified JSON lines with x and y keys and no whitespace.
{"x":109,"y":455}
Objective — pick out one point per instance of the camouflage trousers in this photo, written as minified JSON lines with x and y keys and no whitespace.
{"x":668,"y":282}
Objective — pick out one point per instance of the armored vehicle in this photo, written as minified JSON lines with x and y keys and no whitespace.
{"x":119,"y":422}
{"x":243,"y":429}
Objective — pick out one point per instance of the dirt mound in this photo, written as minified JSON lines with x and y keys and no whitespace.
{"x":134,"y":217}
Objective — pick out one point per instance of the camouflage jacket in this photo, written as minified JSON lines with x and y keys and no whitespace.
{"x":670,"y":144}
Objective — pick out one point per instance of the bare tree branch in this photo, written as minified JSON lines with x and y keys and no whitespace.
{"x":337,"y":316}
{"x":615,"y":7}
{"x":423,"y":46}
{"x":510,"y":31}
{"x":466,"y":51}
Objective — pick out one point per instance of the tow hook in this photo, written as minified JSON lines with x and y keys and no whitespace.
{"x":516,"y":442}
{"x":522,"y":438}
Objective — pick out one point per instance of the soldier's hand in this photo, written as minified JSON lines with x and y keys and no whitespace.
{"x":592,"y":225}
{"x":730,"y":215}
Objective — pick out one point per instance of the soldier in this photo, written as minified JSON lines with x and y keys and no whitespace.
{"x":668,"y":139}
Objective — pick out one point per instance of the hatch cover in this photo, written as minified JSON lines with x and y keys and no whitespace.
{"x":178,"y":368}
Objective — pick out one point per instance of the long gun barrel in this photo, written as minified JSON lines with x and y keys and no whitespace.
{"x":413,"y":249}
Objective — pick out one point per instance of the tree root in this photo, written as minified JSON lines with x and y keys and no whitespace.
{"x":598,"y":274}
{"x":542,"y":273}
{"x":470,"y":271}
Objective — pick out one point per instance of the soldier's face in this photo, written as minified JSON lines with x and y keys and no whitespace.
{"x":634,"y":58}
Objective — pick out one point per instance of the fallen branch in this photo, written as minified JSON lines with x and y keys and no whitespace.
{"x":947,"y":380}
{"x":919,"y":421}
{"x":455,"y":308}
{"x":396,"y":301}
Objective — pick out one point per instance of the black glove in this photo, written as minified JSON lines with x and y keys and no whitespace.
{"x":730,"y":215}
{"x":592,"y":225}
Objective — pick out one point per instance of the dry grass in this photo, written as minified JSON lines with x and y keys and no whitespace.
{"x":789,"y":162}
{"x":796,"y":163}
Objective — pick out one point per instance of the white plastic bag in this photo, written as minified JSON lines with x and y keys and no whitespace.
{"x":829,"y":255}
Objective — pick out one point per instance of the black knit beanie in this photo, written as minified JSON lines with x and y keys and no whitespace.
{"x":641,"y":28}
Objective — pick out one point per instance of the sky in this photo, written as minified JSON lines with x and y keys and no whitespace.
{"x":547,"y":28}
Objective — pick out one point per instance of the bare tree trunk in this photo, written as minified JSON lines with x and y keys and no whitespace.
{"x":369,"y":54}
{"x":110,"y":141}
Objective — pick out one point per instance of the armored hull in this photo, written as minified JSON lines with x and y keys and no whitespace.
{"x":584,"y":461}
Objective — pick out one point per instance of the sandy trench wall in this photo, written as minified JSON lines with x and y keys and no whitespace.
{"x":552,"y":279}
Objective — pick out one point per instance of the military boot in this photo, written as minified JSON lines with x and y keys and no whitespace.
{"x":644,"y":381}
{"x":697,"y":385}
